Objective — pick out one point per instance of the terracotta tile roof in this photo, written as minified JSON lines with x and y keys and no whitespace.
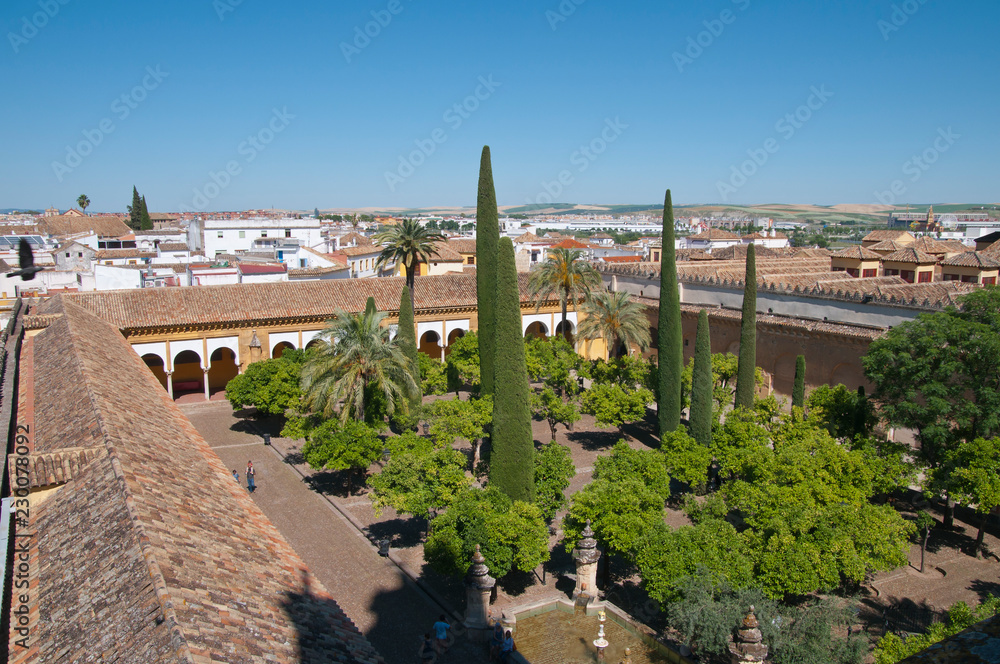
{"x":463,"y":245}
{"x":360,"y":250}
{"x":886,"y":246}
{"x":172,"y":246}
{"x":107,"y":254}
{"x":261,"y":268}
{"x":878,"y":236}
{"x":526,"y":237}
{"x":571,"y":244}
{"x":955,"y":246}
{"x":355,"y":239}
{"x":858,"y":253}
{"x":972,"y":259}
{"x":165,"y":231}
{"x":446,"y":253}
{"x":622,"y":259}
{"x":601,"y":236}
{"x":53,"y":467}
{"x":151,"y":553}
{"x":305,"y":273}
{"x":206,"y":305}
{"x":909,"y":255}
{"x":740,"y":251}
{"x":930,"y":246}
{"x":992,"y":250}
{"x":104,"y":226}
{"x":714,"y":234}
{"x":810,"y":253}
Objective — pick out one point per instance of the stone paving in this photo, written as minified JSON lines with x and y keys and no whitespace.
{"x":384,"y":603}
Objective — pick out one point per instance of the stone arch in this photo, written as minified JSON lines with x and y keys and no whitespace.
{"x":536,"y":329}
{"x":850,"y":375}
{"x":568,"y":331}
{"x":188,"y":375}
{"x":155,"y":364}
{"x":430,"y":344}
{"x":222,"y":368}
{"x":453,"y":336}
{"x":315,"y":343}
{"x":281,"y":347}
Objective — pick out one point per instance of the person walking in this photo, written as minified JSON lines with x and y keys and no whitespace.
{"x":441,"y":628}
{"x":251,"y":486}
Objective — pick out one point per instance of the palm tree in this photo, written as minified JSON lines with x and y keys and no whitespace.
{"x":408,"y":243}
{"x":357,"y":361}
{"x":617,"y":319}
{"x":564,"y":272}
{"x":83,"y":202}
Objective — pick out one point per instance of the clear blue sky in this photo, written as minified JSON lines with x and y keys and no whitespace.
{"x":897,"y":87}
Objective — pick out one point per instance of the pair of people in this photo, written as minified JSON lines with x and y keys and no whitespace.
{"x":431,"y":648}
{"x":251,"y":473}
{"x":501,"y":643}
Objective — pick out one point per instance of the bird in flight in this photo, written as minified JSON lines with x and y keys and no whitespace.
{"x":27,"y":262}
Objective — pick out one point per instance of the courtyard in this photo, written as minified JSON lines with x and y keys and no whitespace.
{"x":395,"y":599}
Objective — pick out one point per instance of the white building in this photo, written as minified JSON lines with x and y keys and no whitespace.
{"x":282,"y":237}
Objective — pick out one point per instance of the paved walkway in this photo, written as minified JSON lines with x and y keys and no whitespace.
{"x":382,"y":601}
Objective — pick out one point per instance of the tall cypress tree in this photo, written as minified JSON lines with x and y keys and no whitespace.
{"x":487,"y":240}
{"x":701,"y":384}
{"x":512,"y":462}
{"x":408,"y":340}
{"x":145,"y":223}
{"x":670,"y":337}
{"x":745,"y":375}
{"x":799,"y":388}
{"x":135,"y":211}
{"x":370,"y":309}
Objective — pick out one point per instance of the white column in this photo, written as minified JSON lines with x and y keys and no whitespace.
{"x":207,"y":397}
{"x":170,"y":384}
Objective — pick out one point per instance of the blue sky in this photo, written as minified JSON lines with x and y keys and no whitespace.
{"x":234,"y":104}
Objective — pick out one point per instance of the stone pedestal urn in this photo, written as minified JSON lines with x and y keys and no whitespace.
{"x":478,"y":587}
{"x":586,"y":556}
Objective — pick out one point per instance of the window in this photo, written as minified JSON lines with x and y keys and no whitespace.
{"x":288,"y":232}
{"x":67,"y":254}
{"x":220,"y":235}
{"x":243,"y":235}
{"x":989,"y":281}
{"x":906,"y":275}
{"x":263,"y":233}
{"x":132,"y":262}
{"x":853,"y":271}
{"x":950,"y":277}
{"x":869,"y":273}
{"x":472,"y":260}
{"x":924,"y":277}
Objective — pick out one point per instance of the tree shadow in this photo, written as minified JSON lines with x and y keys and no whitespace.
{"x":402,"y":533}
{"x":403,"y":616}
{"x":644,"y":430}
{"x":294,"y":458}
{"x":898,"y":615}
{"x":593,"y":441}
{"x":517,"y":582}
{"x":338,"y":483}
{"x":985,"y":589}
{"x":319,"y":624}
{"x":943,"y":538}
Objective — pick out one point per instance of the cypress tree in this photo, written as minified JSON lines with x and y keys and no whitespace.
{"x":145,"y":223}
{"x":135,"y":211}
{"x":512,"y":462}
{"x":370,"y":309}
{"x":487,"y":240}
{"x":745,"y":375}
{"x":670,"y":337}
{"x":799,"y":389}
{"x":701,"y":384}
{"x":408,"y":339}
